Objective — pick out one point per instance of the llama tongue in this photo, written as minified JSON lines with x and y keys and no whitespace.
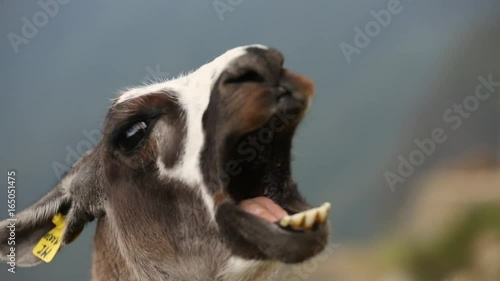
{"x":263,"y":208}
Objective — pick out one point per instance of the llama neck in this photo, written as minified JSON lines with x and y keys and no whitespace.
{"x":107,"y":262}
{"x":109,"y":265}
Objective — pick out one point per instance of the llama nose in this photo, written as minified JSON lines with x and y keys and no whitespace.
{"x":299,"y":86}
{"x":266,"y":66}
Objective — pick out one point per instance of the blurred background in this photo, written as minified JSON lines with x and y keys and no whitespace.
{"x":403,"y":137}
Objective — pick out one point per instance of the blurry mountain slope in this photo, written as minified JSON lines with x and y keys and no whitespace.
{"x":450,"y":230}
{"x":475,"y":54}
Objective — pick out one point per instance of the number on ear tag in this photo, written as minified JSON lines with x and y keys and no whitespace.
{"x":50,"y":243}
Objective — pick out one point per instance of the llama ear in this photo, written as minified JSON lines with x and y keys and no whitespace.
{"x":70,"y":198}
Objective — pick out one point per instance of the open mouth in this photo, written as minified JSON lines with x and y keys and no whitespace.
{"x":268,"y":218}
{"x":261,"y":185}
{"x":268,"y":210}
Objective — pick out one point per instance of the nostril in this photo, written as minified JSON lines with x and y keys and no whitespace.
{"x":283,"y":91}
{"x":247,"y":76}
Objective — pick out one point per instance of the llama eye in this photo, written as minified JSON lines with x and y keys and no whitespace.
{"x":131,"y":138}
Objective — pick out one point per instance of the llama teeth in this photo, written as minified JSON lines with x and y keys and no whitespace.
{"x":311,"y":218}
{"x":306,"y":219}
{"x":297,"y":220}
{"x":323,"y":212}
{"x":285,"y":221}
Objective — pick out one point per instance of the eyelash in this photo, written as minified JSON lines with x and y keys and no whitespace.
{"x":134,"y":129}
{"x":129,"y":139}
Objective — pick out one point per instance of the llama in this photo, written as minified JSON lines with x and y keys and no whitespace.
{"x":190,"y":181}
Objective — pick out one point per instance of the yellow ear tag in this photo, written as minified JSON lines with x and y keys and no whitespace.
{"x":50,"y":243}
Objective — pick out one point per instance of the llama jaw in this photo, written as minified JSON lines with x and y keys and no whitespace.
{"x":252,"y":237}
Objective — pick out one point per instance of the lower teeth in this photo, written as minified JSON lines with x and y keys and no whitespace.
{"x":307,"y":219}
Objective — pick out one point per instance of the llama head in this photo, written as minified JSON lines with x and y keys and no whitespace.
{"x":204,"y":158}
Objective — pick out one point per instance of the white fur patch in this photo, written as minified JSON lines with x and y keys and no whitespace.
{"x":247,"y":270}
{"x":193,"y":92}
